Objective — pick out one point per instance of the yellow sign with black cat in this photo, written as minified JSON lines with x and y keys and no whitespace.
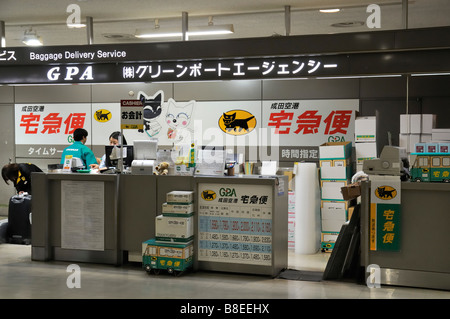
{"x":102,"y":115}
{"x":237,"y":122}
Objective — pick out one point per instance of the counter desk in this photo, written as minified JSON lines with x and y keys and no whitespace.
{"x":240,"y":223}
{"x":422,"y":259}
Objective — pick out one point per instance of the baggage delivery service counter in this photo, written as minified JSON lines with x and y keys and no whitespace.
{"x":239,"y":222}
{"x":420,"y":257}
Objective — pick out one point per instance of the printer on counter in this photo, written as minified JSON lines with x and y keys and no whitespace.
{"x":144,"y":156}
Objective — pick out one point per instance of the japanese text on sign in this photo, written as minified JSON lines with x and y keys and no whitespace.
{"x":50,"y":123}
{"x":227,"y":69}
{"x":309,"y":122}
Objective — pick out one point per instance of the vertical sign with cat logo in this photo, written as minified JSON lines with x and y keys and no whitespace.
{"x":131,"y":114}
{"x":385,"y":207}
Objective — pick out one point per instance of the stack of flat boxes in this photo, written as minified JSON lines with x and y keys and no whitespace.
{"x":365,"y":140}
{"x":335,"y":172}
{"x":416,"y":128}
{"x":176,"y":224}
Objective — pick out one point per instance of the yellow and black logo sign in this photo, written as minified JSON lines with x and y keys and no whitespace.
{"x":385,"y":192}
{"x":237,"y":122}
{"x":209,"y":195}
{"x":102,"y":116}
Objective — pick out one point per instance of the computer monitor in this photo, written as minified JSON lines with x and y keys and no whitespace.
{"x":113,"y":161}
{"x":145,"y":149}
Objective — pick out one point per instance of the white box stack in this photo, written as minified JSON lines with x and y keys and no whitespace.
{"x":176,"y":223}
{"x":365,"y":140}
{"x":415,"y":129}
{"x":335,"y":172}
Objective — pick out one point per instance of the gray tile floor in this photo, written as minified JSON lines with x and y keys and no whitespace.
{"x":20,"y":277}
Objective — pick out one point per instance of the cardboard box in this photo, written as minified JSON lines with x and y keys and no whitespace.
{"x":178,"y":197}
{"x":337,"y":210}
{"x":335,"y":150}
{"x":351,"y":191}
{"x":183,"y":170}
{"x":328,"y":240}
{"x":177,"y":209}
{"x":335,"y":169}
{"x":409,"y":141}
{"x":332,"y":225}
{"x":365,"y":151}
{"x":366,"y":129}
{"x":331,"y":189}
{"x":174,"y":229}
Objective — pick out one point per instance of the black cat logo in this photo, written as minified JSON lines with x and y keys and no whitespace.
{"x":237,"y":122}
{"x":102,"y":115}
{"x":385,"y":192}
{"x":209,"y":195}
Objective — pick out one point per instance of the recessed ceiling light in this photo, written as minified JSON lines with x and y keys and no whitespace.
{"x":330,"y":10}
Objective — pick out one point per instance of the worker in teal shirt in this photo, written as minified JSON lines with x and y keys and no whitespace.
{"x":79,"y":150}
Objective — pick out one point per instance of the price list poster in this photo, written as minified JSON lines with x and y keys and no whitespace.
{"x":235,"y":223}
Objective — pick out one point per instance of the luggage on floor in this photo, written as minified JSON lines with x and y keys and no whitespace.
{"x":19,"y":226}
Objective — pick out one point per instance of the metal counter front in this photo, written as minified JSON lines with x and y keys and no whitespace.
{"x":423,"y":259}
{"x":240,"y":222}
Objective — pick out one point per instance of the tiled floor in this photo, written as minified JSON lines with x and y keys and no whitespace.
{"x":22,"y":278}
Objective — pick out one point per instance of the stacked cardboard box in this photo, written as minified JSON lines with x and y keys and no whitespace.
{"x":335,"y":172}
{"x":176,"y":223}
{"x":414,"y":129}
{"x":365,"y":139}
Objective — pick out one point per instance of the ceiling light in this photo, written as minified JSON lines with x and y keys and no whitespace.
{"x":210,"y":29}
{"x":76,"y":25}
{"x":330,"y":10}
{"x":31,"y":38}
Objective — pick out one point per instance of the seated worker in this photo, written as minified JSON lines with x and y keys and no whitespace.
{"x":113,"y":140}
{"x":79,"y":150}
{"x":20,"y":175}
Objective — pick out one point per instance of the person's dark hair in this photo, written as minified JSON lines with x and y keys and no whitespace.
{"x":115,"y":135}
{"x":79,"y":133}
{"x":10,"y":172}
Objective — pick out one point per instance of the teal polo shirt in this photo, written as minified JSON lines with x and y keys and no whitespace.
{"x":78,"y":149}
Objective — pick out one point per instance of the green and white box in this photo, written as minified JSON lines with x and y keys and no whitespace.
{"x":178,"y":209}
{"x":180,"y":197}
{"x":174,"y":229}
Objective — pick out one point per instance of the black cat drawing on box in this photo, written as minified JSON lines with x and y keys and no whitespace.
{"x":232,"y":123}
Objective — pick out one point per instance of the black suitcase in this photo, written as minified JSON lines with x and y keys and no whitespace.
{"x":19,"y":226}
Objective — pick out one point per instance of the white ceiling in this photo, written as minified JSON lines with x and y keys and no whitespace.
{"x":116,"y":21}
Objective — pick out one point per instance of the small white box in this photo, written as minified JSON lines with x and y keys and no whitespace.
{"x":428,"y":123}
{"x":413,"y":140}
{"x":415,"y":125}
{"x":404,"y":124}
{"x":425,"y":138}
{"x":177,"y":209}
{"x":335,"y":150}
{"x":335,"y":210}
{"x":338,"y":169}
{"x":432,"y":148}
{"x":331,"y":190}
{"x":365,"y":151}
{"x":180,"y":197}
{"x":174,"y":229}
{"x":440,"y":134}
{"x":332,"y":225}
{"x":366,"y":129}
